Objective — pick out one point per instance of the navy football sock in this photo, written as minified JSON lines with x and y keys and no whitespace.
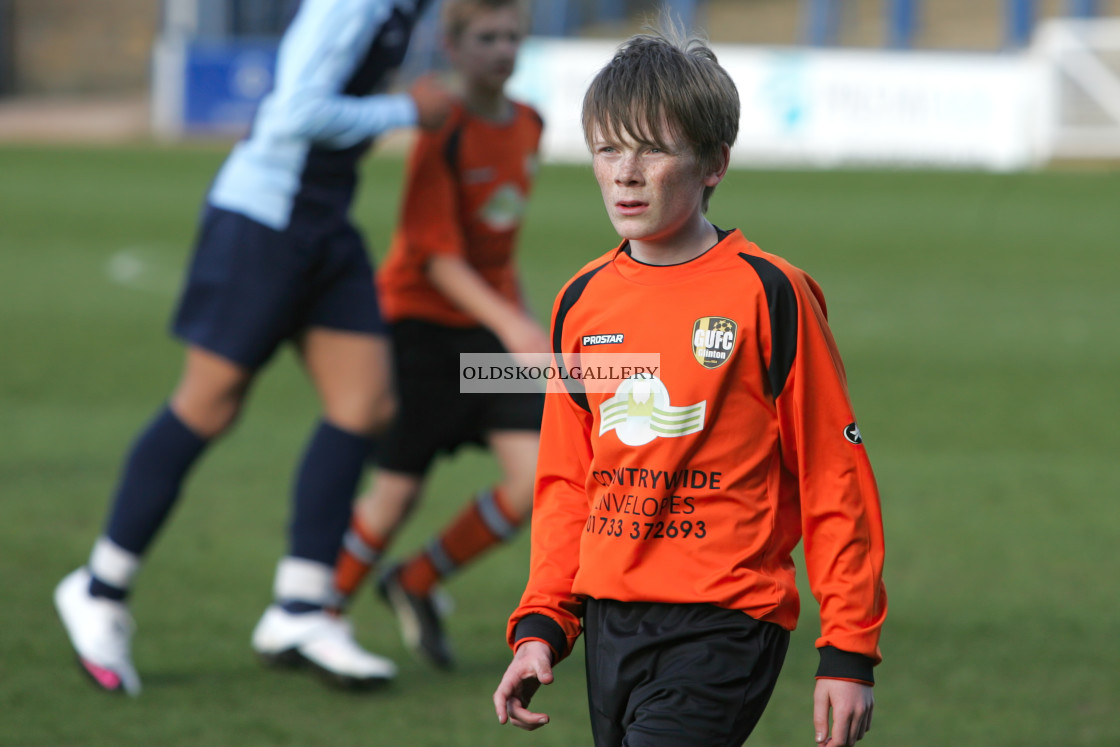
{"x":324,"y":491}
{"x":296,"y":607}
{"x":150,"y":483}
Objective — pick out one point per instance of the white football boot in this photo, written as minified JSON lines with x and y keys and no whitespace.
{"x":100,"y":631}
{"x":323,"y":640}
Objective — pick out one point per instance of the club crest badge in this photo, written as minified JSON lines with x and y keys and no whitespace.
{"x":713,"y":340}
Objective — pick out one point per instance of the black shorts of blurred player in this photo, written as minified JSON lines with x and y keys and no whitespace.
{"x":433,"y":417}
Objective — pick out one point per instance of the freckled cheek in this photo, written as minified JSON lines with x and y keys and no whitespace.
{"x":608,"y":199}
{"x":666,"y":191}
{"x":677,"y":188}
{"x":603,"y":182}
{"x":603,"y":177}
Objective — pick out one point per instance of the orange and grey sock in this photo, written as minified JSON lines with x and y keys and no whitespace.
{"x":361,"y":550}
{"x":485,"y":522}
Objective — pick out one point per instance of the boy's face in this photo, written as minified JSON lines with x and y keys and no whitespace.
{"x":485,"y":52}
{"x":652,"y":195}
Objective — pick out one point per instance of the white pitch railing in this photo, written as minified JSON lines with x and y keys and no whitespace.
{"x":1083,"y":87}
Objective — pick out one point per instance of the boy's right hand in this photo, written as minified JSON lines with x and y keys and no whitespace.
{"x":433,"y":101}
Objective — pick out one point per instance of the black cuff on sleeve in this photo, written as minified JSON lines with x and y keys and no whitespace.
{"x":844,"y":665}
{"x":541,"y":626}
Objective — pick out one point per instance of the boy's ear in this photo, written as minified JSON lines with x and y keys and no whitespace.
{"x":715,"y":175}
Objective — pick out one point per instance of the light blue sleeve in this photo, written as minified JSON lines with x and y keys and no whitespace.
{"x":323,"y":46}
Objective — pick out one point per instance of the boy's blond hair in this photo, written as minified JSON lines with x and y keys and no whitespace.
{"x":662,"y":86}
{"x":457,"y":14}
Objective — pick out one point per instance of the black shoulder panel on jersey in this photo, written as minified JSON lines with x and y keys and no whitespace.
{"x":451,"y":148}
{"x":782,"y":303}
{"x":567,"y":301}
{"x":537,"y":116}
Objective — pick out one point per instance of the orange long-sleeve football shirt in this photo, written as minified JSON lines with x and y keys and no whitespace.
{"x":696,"y":484}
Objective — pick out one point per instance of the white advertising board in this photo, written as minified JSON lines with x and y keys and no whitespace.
{"x":808,"y":108}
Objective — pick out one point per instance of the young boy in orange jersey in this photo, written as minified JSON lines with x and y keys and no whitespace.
{"x":686,"y":590}
{"x":449,"y":286}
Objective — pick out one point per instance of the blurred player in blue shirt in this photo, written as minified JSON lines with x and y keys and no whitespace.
{"x":276,"y":258}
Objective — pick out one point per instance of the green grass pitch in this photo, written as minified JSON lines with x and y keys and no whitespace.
{"x":979,"y":319}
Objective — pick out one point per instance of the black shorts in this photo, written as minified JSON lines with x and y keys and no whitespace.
{"x":251,"y":287}
{"x":677,"y":674}
{"x":433,"y":417}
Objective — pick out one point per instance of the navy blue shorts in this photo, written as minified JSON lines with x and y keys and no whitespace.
{"x":433,"y":416}
{"x":251,"y":287}
{"x":686,"y":675}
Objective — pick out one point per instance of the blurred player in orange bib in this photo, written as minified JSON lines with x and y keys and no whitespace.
{"x":449,"y":286}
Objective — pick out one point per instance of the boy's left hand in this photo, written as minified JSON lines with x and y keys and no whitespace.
{"x":851,"y":704}
{"x":531,"y":667}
